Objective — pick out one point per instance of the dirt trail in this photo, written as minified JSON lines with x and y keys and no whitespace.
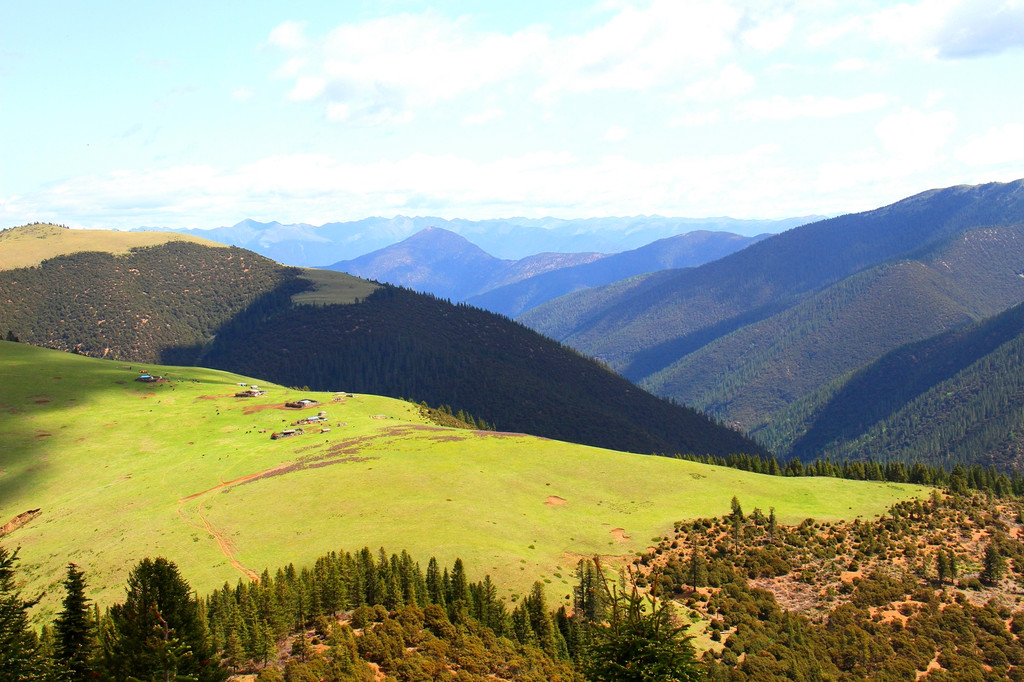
{"x":237,"y":481}
{"x":222,"y":542}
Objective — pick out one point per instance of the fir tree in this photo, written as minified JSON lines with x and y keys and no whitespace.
{"x":19,"y":650}
{"x":74,"y":629}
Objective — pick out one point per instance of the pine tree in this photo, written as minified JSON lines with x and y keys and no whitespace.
{"x":641,"y":642}
{"x":993,"y":565}
{"x":942,"y":565}
{"x":157,"y":632}
{"x":19,"y":650}
{"x":74,"y":629}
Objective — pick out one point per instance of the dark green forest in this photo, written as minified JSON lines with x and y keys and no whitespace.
{"x":956,"y":398}
{"x":392,"y":343}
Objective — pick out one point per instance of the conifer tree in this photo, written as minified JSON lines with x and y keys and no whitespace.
{"x":74,"y":629}
{"x":157,"y":632}
{"x":641,"y":642}
{"x":19,"y":650}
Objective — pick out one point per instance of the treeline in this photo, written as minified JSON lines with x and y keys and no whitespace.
{"x":958,"y":479}
{"x":348,"y":617}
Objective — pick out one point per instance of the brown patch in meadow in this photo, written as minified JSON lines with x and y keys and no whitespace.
{"x":556,"y":501}
{"x":19,"y":521}
{"x":619,"y":534}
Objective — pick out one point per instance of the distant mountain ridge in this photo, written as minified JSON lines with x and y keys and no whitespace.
{"x":307,"y":245}
{"x":680,"y":251}
{"x":440,"y":262}
{"x":755,"y":337}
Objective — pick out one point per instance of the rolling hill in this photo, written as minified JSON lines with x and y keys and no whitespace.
{"x":186,"y":303}
{"x":764,"y":330}
{"x":101,"y":469}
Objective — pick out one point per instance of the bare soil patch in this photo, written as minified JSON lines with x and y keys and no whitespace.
{"x":556,"y":501}
{"x":19,"y":521}
{"x":619,"y":534}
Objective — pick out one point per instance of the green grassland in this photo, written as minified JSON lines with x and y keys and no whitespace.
{"x":31,"y":245}
{"x":182,"y":468}
{"x":330,"y":287}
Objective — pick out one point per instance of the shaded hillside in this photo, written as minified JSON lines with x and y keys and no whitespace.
{"x":955,"y":398}
{"x":183,"y":303}
{"x":643,"y":324}
{"x":442,"y":263}
{"x":681,"y":251}
{"x":133,"y":306}
{"x":757,"y":370}
{"x":400,"y":343}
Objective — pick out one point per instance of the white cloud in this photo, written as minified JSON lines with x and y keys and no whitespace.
{"x":730,"y":82}
{"x":809,"y":106}
{"x":307,"y":88}
{"x":481,"y":117}
{"x":953,"y":28}
{"x":290,"y":35}
{"x":615,"y":134}
{"x":996,"y":146}
{"x":771,"y":34}
{"x":851,"y":64}
{"x":242,"y":94}
{"x":383,"y":70}
{"x":638,"y":49}
{"x":914,"y":135}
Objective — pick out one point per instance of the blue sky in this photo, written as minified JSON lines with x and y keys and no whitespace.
{"x":127,"y":114}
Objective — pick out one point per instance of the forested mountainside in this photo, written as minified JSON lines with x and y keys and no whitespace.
{"x":182,"y":303}
{"x":754,"y":333}
{"x":440,"y":262}
{"x":134,"y":306}
{"x":954,"y":398}
{"x":400,"y":343}
{"x":680,"y":251}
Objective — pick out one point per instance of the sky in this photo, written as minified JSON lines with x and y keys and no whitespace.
{"x":199,"y":114}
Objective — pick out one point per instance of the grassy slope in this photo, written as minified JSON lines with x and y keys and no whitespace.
{"x":110,"y":460}
{"x":31,"y":245}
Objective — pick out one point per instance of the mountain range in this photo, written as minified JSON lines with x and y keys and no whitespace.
{"x":440,"y":262}
{"x":306,"y":245}
{"x":765,"y":337}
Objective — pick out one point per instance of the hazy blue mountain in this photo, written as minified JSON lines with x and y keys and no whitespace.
{"x":683,"y":250}
{"x":508,"y":238}
{"x":445,"y":264}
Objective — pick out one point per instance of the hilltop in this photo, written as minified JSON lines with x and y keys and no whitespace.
{"x":30,"y":245}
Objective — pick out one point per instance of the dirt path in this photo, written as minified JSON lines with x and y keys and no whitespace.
{"x":222,"y":542}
